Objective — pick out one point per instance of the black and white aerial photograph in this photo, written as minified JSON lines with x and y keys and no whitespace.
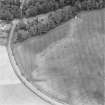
{"x":52,"y":52}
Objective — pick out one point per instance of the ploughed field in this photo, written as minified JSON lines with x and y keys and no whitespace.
{"x":67,"y":63}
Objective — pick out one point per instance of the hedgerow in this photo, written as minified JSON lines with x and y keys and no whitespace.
{"x":51,"y":20}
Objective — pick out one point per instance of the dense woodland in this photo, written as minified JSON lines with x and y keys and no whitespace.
{"x":10,"y":9}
